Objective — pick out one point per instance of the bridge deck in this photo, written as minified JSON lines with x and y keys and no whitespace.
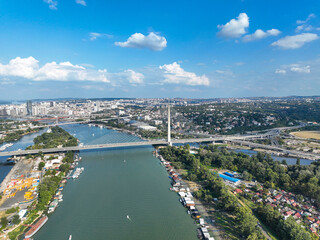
{"x":164,"y":142}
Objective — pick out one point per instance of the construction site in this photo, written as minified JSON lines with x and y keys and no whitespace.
{"x":19,"y":188}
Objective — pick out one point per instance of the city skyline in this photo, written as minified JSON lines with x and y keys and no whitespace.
{"x":86,"y":49}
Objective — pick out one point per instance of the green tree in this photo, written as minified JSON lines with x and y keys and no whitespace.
{"x":16,"y":219}
{"x":4,"y":222}
{"x":41,"y":165}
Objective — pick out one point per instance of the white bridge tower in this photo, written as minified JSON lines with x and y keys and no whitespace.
{"x":169,"y":126}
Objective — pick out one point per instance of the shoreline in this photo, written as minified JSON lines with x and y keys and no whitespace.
{"x":194,"y":206}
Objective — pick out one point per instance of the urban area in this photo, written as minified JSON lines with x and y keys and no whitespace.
{"x":243,"y":168}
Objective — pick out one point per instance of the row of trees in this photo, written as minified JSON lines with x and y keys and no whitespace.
{"x":15,"y":136}
{"x":286,"y":229}
{"x":47,"y":189}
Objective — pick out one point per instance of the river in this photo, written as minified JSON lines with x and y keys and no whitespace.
{"x":115,"y":184}
{"x":289,"y":160}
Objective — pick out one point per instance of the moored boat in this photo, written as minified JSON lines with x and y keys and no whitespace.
{"x":36,"y":227}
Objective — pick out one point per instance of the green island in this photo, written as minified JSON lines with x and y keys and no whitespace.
{"x":272,"y":195}
{"x":53,"y":138}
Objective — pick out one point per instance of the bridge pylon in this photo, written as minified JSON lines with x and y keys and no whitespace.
{"x":169,"y":126}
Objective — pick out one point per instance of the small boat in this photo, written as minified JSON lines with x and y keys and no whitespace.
{"x":70,"y":237}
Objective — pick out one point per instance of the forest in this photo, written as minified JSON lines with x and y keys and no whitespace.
{"x":260,"y":167}
{"x":57,"y":137}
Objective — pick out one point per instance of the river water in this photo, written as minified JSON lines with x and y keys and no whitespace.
{"x":115,"y":184}
{"x":290,"y":161}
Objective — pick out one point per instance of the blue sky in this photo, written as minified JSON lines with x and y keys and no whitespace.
{"x":98,"y":48}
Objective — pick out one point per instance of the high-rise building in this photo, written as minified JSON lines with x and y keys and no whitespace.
{"x":29,"y":108}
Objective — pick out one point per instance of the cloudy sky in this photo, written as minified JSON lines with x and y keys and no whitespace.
{"x":212,"y":48}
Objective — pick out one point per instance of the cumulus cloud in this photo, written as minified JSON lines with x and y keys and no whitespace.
{"x":94,"y":35}
{"x":81,"y":2}
{"x":152,"y":41}
{"x":173,"y":73}
{"x":259,"y":34}
{"x":235,"y":27}
{"x":280,"y":71}
{"x":52,"y":4}
{"x":298,"y":69}
{"x":65,"y":71}
{"x":297,"y":41}
{"x":134,"y":77}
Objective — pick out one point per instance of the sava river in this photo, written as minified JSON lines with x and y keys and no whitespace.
{"x":116,"y":184}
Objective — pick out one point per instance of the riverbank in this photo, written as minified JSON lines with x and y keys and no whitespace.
{"x":16,"y":136}
{"x":195,"y":208}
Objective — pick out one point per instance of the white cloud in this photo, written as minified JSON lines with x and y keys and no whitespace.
{"x":298,"y":69}
{"x":134,"y":77}
{"x":311,"y":15}
{"x":294,"y":68}
{"x":94,"y":35}
{"x":224,"y":72}
{"x":175,"y":74}
{"x":81,"y":2}
{"x":303,"y":24}
{"x":52,"y":4}
{"x":297,"y":41}
{"x":259,"y":34}
{"x":235,"y":27}
{"x":138,"y":40}
{"x":304,"y":27}
{"x":65,"y":71}
{"x":280,"y":71}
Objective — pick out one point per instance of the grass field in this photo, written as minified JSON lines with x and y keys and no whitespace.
{"x":307,"y":134}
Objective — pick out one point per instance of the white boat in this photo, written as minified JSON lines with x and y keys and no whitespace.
{"x":70,"y":237}
{"x":4,"y":147}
